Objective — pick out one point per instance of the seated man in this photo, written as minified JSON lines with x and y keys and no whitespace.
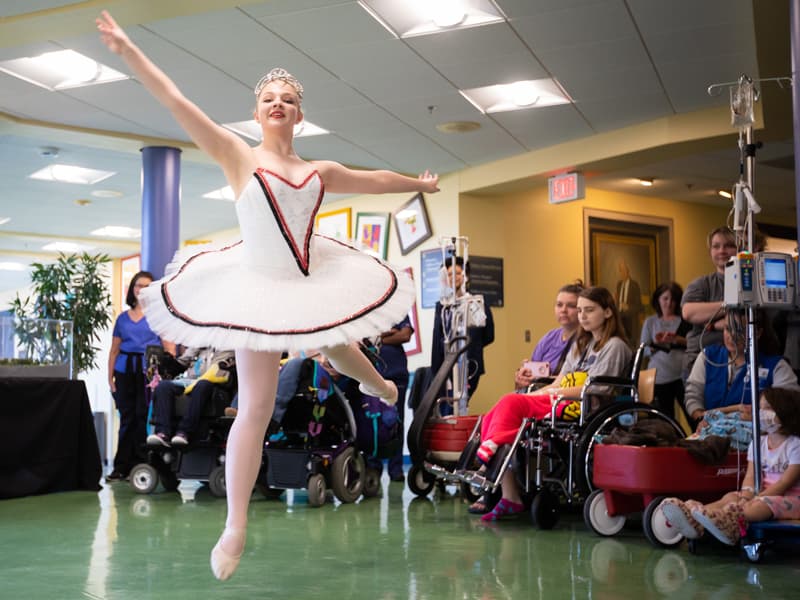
{"x":221,"y":372}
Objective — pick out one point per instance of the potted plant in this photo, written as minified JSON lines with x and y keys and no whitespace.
{"x":71,"y":289}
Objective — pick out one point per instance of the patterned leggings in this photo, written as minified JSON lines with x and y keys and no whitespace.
{"x":783,"y":507}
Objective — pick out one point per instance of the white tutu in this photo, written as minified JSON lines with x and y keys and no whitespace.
{"x":281,"y":287}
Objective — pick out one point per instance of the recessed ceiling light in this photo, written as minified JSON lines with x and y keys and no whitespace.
{"x":12,"y":266}
{"x":424,"y":17}
{"x":106,"y":193}
{"x":532,"y":93}
{"x":252,"y":130}
{"x":4,"y":220}
{"x":60,"y":70}
{"x":83,"y":202}
{"x":458,"y":126}
{"x":66,"y":247}
{"x":725,"y":194}
{"x":71,"y":174}
{"x":223,"y":193}
{"x":118,"y":231}
{"x":646,"y":181}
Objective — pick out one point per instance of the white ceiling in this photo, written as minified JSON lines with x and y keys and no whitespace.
{"x":623,"y":62}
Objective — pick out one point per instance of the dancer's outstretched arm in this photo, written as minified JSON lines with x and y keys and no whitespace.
{"x":225,"y":147}
{"x":341,"y":180}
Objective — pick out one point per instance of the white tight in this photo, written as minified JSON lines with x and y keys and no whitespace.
{"x":258,"y":382}
{"x":349,"y":360}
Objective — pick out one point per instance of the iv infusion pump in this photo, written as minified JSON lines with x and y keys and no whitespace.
{"x":765,"y":279}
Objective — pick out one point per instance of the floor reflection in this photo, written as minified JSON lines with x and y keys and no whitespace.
{"x":121,"y":545}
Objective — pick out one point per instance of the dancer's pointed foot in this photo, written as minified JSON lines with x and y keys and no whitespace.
{"x":225,"y":559}
{"x":387,"y":396}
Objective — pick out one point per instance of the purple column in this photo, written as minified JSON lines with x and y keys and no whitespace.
{"x":161,"y":178}
{"x":794,"y":24}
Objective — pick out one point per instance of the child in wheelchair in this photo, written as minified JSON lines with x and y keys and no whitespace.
{"x":600,"y":349}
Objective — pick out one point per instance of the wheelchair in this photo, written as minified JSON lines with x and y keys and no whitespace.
{"x":312,"y":445}
{"x":203,"y":459}
{"x":552,"y":457}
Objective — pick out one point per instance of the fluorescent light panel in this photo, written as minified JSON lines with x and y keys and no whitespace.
{"x":60,"y":70}
{"x":12,"y":266}
{"x":71,"y":174}
{"x":118,"y":231}
{"x":252,"y":130}
{"x":519,"y":95}
{"x":424,"y":17}
{"x":66,"y":247}
{"x":223,"y":193}
{"x":4,"y":220}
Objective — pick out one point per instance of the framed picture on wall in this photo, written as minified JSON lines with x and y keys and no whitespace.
{"x":372,"y":231}
{"x":630,"y":255}
{"x":412,"y":224}
{"x":334,"y":224}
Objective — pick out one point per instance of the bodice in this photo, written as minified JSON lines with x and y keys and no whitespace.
{"x":276,"y":219}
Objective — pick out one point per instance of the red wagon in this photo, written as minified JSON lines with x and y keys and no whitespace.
{"x":633,"y":479}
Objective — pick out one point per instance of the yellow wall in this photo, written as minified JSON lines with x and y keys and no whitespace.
{"x":542,"y":248}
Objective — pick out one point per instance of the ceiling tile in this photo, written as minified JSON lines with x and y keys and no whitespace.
{"x":542,"y":127}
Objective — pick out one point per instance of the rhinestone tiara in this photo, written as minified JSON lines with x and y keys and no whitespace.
{"x":278,"y":74}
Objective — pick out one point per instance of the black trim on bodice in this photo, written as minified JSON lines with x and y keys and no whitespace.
{"x":301,"y":258}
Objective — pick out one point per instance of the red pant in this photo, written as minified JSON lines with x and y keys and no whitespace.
{"x":501,"y":424}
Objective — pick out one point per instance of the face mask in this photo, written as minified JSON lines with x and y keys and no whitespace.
{"x":768,"y":420}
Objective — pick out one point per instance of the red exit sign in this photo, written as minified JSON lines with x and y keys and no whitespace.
{"x":563,"y":188}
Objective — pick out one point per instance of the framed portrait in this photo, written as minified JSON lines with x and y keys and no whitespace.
{"x":414,"y":345}
{"x":334,"y":224}
{"x":372,"y":232}
{"x":412,"y":224}
{"x":630,"y":255}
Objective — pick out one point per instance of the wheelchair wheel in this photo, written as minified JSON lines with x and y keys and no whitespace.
{"x":420,"y":482}
{"x":469,"y":493}
{"x":595,"y":514}
{"x":347,"y":475}
{"x":316,"y":489}
{"x":545,"y":509}
{"x":655,"y":526}
{"x":216,"y":481}
{"x":372,"y":482}
{"x":618,"y":415}
{"x":143,"y":478}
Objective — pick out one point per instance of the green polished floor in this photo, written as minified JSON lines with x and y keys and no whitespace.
{"x":119,"y":545}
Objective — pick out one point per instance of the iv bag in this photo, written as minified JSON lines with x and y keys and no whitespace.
{"x":742,"y":99}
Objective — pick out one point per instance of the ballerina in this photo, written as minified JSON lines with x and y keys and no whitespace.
{"x":281,"y":288}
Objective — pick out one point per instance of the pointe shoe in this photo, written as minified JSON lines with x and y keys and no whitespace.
{"x":223,"y":565}
{"x":388,"y":396}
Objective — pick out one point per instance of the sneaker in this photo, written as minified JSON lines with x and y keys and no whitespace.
{"x":157,"y":439}
{"x":115,"y":476}
{"x":725,"y":524}
{"x":678,"y":515}
{"x":180,"y":439}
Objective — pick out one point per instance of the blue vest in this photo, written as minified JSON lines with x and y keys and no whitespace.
{"x":717,"y":393}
